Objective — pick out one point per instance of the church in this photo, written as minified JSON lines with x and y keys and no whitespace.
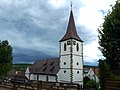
{"x":68,"y":67}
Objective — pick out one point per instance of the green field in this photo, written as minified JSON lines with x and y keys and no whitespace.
{"x":20,"y":66}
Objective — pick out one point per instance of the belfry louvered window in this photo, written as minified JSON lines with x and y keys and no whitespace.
{"x":77,"y":47}
{"x":64,"y":46}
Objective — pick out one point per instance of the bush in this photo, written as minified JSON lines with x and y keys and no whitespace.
{"x":86,"y":79}
{"x":93,"y":84}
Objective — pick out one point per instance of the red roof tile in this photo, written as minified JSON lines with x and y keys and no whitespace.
{"x":96,"y":71}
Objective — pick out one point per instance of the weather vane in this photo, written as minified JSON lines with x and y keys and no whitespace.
{"x":71,"y":5}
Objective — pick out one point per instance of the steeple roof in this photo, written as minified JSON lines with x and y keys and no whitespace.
{"x":71,"y":32}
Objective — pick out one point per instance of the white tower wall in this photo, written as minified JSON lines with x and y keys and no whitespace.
{"x":71,"y":61}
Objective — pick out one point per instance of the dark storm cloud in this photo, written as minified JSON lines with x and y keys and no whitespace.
{"x":34,"y":28}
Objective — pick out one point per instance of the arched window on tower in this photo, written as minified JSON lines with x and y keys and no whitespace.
{"x":64,"y":46}
{"x":77,"y":47}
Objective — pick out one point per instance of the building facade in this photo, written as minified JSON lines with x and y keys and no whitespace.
{"x":93,"y":74}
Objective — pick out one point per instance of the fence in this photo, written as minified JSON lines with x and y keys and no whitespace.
{"x":23,"y":84}
{"x":112,"y":84}
{"x":61,"y":86}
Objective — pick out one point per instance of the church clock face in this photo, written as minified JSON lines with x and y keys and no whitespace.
{"x":74,"y":42}
{"x":68,"y":42}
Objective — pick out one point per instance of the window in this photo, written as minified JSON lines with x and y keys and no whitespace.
{"x":52,"y":63}
{"x":52,"y":68}
{"x":77,"y":72}
{"x":77,"y":47}
{"x":77,"y":63}
{"x":64,"y":63}
{"x":64,"y":46}
{"x":45,"y":68}
{"x":64,"y":71}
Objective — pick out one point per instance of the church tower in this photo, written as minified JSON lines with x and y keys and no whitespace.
{"x":71,"y":55}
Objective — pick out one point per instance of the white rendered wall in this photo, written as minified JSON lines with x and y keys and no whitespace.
{"x":80,"y":48}
{"x":45,"y":77}
{"x":65,"y":59}
{"x":64,"y":77}
{"x":65,"y":62}
{"x":92,"y":75}
{"x":33,"y":77}
{"x":78,"y":77}
{"x":52,"y":78}
{"x":62,"y":52}
{"x":42,"y":78}
{"x":77,"y":62}
{"x":27,"y":73}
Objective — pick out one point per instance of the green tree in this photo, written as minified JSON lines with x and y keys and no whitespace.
{"x":93,"y":84}
{"x":109,"y":38}
{"x":5,"y":57}
{"x":104,"y":72}
{"x":86,"y":79}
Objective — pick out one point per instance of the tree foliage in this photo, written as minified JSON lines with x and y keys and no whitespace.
{"x":86,"y":79}
{"x":93,"y":84}
{"x":109,"y":38}
{"x":104,"y":72}
{"x":5,"y":57}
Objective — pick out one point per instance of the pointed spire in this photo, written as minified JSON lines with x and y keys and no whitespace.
{"x":71,"y":30}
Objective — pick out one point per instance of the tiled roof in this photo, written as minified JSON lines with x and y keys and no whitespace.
{"x":96,"y":71}
{"x":48,"y":66}
{"x":20,"y":73}
{"x":71,"y":30}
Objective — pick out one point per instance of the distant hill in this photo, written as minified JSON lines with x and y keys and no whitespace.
{"x":22,"y":66}
{"x":89,"y":66}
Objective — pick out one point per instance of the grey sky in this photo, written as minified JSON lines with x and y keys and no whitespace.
{"x":34,"y":27}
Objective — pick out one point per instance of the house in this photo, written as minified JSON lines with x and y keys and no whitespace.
{"x":68,"y":67}
{"x":85,"y":71}
{"x":93,"y":74}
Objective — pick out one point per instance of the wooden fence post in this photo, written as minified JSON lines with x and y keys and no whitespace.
{"x":39,"y":86}
{"x":78,"y":87}
{"x":14,"y":87}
